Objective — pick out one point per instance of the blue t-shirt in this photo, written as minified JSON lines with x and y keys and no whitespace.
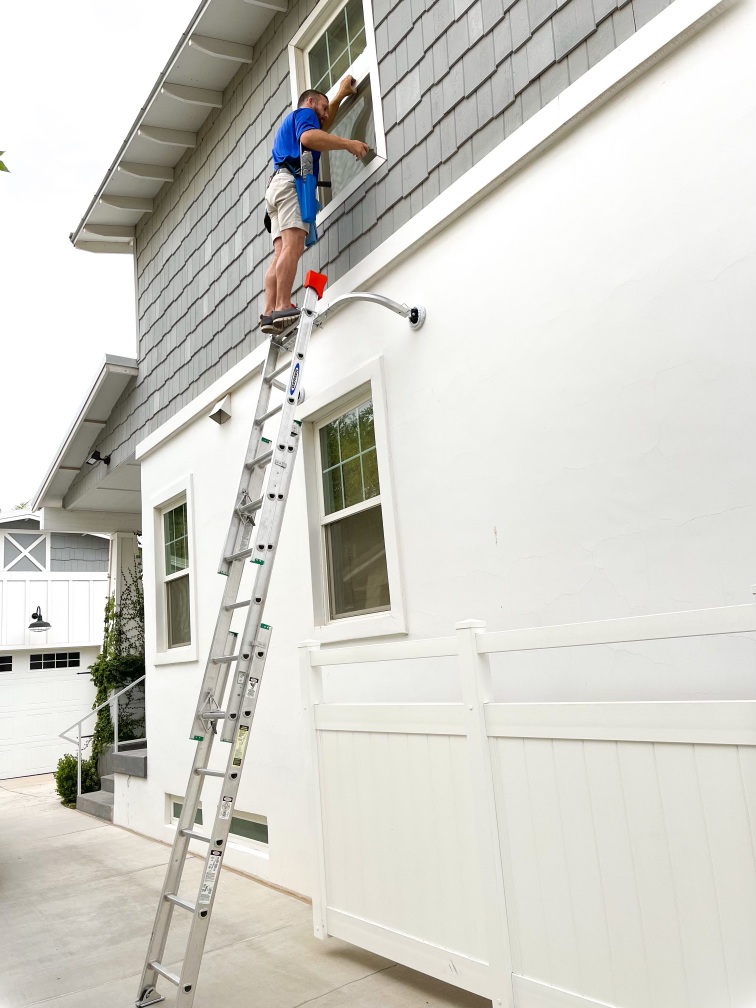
{"x":286,"y":143}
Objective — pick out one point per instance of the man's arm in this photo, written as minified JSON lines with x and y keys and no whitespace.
{"x":319,"y":140}
{"x":346,"y":89}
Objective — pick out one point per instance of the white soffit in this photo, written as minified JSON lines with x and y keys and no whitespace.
{"x":106,"y":390}
{"x":220,"y":38}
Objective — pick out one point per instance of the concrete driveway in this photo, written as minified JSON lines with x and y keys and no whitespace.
{"x":78,"y":896}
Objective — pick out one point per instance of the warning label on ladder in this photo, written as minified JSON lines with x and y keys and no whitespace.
{"x":225,"y":809}
{"x":211,"y":877}
{"x":241,"y":745}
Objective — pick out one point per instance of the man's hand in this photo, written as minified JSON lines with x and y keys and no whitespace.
{"x":347,"y":87}
{"x":357,"y":147}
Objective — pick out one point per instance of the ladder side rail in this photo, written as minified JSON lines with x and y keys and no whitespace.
{"x":221,"y":829}
{"x":249,"y":482}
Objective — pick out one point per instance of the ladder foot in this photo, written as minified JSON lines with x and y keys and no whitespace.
{"x":149,"y":996}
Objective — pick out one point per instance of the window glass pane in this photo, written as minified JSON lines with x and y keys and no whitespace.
{"x":370,"y":474}
{"x":176,"y":540}
{"x":177,"y":593}
{"x":250,"y":829}
{"x":356,"y":557}
{"x":367,"y":427}
{"x":178,"y":806}
{"x":355,"y":18}
{"x":329,"y":444}
{"x":319,"y":65}
{"x":349,"y":437}
{"x":333,"y":492}
{"x":353,"y":482}
{"x":6,"y":663}
{"x":337,"y":45}
{"x":356,"y":123}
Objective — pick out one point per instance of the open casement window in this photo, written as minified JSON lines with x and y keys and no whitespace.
{"x":336,"y":41}
{"x":354,"y":548}
{"x":176,"y":575}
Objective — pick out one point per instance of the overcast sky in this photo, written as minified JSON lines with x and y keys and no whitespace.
{"x":73,"y":77}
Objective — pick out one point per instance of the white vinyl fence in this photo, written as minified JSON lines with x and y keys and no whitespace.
{"x":543,"y":855}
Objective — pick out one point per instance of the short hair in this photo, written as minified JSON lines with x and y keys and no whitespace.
{"x":310,"y":93}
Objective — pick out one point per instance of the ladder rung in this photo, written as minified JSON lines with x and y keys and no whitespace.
{"x":260,"y":460}
{"x":191,"y":907}
{"x":247,"y":509}
{"x":223,"y":658}
{"x":240,"y":555}
{"x":279,"y":370}
{"x":237,"y":605}
{"x":277,"y":384}
{"x":159,"y":968}
{"x":209,"y":773}
{"x":266,"y":416}
{"x":191,"y":835}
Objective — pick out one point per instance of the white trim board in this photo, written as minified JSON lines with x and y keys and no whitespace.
{"x":648,"y":46}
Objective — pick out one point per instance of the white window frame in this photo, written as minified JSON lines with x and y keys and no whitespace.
{"x":366,"y":65}
{"x":366,"y":381}
{"x":170,"y":497}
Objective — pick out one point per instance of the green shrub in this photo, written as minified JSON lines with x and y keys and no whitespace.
{"x":65,"y":778}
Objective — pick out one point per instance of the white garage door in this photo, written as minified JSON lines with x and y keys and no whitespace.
{"x":36,"y":704}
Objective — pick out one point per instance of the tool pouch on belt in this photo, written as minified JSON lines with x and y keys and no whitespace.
{"x":306,"y":186}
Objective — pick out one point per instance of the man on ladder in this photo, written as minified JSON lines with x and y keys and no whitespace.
{"x":306,"y":127}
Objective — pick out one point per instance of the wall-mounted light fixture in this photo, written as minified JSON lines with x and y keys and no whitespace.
{"x":95,"y":457}
{"x":37,"y":622}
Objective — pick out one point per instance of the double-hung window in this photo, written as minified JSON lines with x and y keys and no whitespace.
{"x":352,"y":519}
{"x":176,"y":575}
{"x":336,"y":41}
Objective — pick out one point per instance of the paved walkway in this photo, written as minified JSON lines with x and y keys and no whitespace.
{"x":78,"y":897}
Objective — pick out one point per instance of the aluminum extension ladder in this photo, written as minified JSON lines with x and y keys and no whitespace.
{"x":267,"y":501}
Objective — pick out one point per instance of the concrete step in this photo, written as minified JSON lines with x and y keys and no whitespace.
{"x":96,"y":803}
{"x":107,"y":783}
{"x":133,"y":762}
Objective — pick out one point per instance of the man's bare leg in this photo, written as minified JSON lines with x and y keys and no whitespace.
{"x":270,"y":279}
{"x":290,"y":252}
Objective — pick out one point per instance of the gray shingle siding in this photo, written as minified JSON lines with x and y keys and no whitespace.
{"x":456,"y":77}
{"x":70,"y":552}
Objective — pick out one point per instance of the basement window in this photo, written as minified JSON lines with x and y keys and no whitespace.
{"x":244,"y":825}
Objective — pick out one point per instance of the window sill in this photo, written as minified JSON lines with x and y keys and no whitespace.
{"x":354,"y":185}
{"x":358,"y":627}
{"x":176,"y":655}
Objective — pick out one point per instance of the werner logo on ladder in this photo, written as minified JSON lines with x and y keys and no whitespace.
{"x":247,"y":653}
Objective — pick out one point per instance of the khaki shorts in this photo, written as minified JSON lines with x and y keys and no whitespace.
{"x":283,"y":205}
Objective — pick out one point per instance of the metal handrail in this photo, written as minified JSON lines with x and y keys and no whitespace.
{"x":96,"y":710}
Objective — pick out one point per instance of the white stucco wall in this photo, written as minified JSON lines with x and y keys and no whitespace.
{"x":571,"y":434}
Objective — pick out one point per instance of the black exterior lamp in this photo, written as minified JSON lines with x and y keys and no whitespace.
{"x":37,"y":622}
{"x":95,"y":457}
